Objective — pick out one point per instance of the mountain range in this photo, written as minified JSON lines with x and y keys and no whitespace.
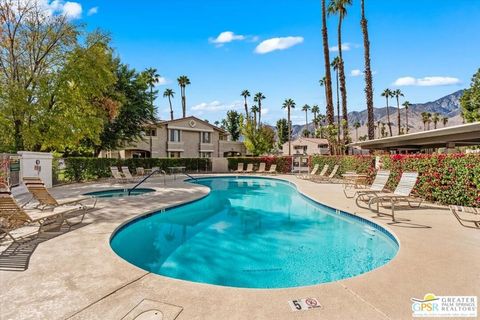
{"x":447,"y":106}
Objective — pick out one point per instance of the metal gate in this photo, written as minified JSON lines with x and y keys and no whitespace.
{"x":10,"y":169}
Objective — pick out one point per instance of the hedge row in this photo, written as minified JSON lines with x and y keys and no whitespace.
{"x":447,"y":179}
{"x":284,"y":164}
{"x":82,"y":169}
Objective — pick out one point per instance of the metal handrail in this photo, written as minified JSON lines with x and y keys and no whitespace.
{"x":193,"y":178}
{"x":144,"y":179}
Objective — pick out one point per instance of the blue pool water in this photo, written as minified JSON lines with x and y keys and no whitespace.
{"x":118,"y":193}
{"x":254,"y":233}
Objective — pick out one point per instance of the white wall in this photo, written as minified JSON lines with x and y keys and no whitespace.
{"x":36,"y":164}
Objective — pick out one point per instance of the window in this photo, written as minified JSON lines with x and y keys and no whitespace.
{"x":205,"y":154}
{"x":175,"y":135}
{"x":206,"y":137}
{"x":151,"y":132}
{"x":174,"y":154}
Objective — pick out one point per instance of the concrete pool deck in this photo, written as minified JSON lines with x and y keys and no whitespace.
{"x":76,"y":275}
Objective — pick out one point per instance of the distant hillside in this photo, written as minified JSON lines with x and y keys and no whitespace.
{"x":448,"y":106}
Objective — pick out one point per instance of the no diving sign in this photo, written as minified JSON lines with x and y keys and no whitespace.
{"x":304,"y":304}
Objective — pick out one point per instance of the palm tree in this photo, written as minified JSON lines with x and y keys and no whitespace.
{"x":305,"y":109}
{"x":336,"y":65}
{"x":436,"y":119}
{"x":444,"y":121}
{"x":289,"y":104}
{"x":383,"y":130}
{"x":356,"y":125}
{"x":425,"y":117}
{"x":339,"y":7}
{"x":216,"y":123}
{"x":398,"y":93}
{"x":254,"y":110}
{"x":152,"y":78}
{"x":429,"y":120}
{"x":326,"y":56}
{"x":387,"y":93}
{"x":183,"y":82}
{"x":315,"y":111}
{"x":169,"y":93}
{"x":258,"y":99}
{"x":406,"y":105}
{"x":378,"y":127}
{"x":368,"y":74}
{"x":245,"y":94}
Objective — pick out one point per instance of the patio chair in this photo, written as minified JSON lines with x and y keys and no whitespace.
{"x":311,"y":173}
{"x":13,"y":218}
{"x":239,"y":168}
{"x":468,"y":217}
{"x":126,"y":173}
{"x":261,"y":168}
{"x":117,"y":175}
{"x":378,"y":185}
{"x":320,"y":175}
{"x":329,"y":178}
{"x":249,"y":168}
{"x":402,"y":193}
{"x":45,"y":200}
{"x":272,"y":170}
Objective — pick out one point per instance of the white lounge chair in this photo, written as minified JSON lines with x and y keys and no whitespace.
{"x":126,"y":173}
{"x":402,"y":193}
{"x":329,"y":178}
{"x":468,"y":217}
{"x":117,"y":175}
{"x":273,"y":169}
{"x":261,"y":167}
{"x":311,"y":173}
{"x":239,"y":168}
{"x":378,"y":185}
{"x":249,"y":168}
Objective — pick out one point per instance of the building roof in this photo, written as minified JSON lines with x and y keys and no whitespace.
{"x":163,"y":122}
{"x":455,"y":136}
{"x":312,"y":140}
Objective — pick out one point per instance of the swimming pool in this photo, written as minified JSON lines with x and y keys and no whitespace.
{"x":112,"y":193}
{"x":254,"y":233}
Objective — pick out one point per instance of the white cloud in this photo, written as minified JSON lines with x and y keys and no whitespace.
{"x":92,"y":11}
{"x":356,"y":73}
{"x":273,"y":44}
{"x":345,"y":47}
{"x":226,"y":37}
{"x":215,"y":106}
{"x":426,"y":81}
{"x":162,"y":81}
{"x":72,"y":10}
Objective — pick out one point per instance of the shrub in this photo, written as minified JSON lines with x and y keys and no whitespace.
{"x":82,"y":169}
{"x":284,"y":164}
{"x":359,"y":164}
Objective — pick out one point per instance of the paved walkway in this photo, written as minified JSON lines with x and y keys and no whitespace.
{"x":76,"y":275}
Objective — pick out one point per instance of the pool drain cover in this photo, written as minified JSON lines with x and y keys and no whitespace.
{"x":153,"y":310}
{"x":150,"y":315}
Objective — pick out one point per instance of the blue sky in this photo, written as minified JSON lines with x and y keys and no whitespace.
{"x":411,"y":42}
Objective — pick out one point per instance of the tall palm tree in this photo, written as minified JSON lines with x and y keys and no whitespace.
{"x":387,"y":93}
{"x":445,"y":121}
{"x":305,"y":109}
{"x":425,"y":117}
{"x":356,"y":125}
{"x":315,"y":111}
{"x":406,"y":105}
{"x":398,"y":93}
{"x":169,"y":93}
{"x":254,"y":110}
{"x":328,"y":75}
{"x":368,"y":74}
{"x":429,"y":120}
{"x":339,"y":7}
{"x":289,"y":104}
{"x":245,"y":94}
{"x":183,"y":82}
{"x":258,"y":99}
{"x":152,"y":78}
{"x":435,"y":119}
{"x":336,"y":65}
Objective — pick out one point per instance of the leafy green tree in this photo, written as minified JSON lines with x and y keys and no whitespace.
{"x":470,"y":100}
{"x":183,"y":82}
{"x":282,"y":132}
{"x":170,"y":94}
{"x":135,"y":110}
{"x":306,"y":133}
{"x":258,"y":141}
{"x":315,"y":110}
{"x":151,"y":78}
{"x":232,"y":124}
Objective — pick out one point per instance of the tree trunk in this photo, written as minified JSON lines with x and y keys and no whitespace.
{"x":406,"y":118}
{"x":343,"y":85}
{"x":18,"y":142}
{"x":338,"y":108}
{"x":246,"y":108}
{"x":171,"y":109}
{"x":289,"y":134}
{"x":306,"y":122}
{"x":398,"y":115}
{"x":368,"y":75}
{"x":388,"y":119}
{"x":259,"y":111}
{"x":328,"y":75}
{"x":184,"y":103}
